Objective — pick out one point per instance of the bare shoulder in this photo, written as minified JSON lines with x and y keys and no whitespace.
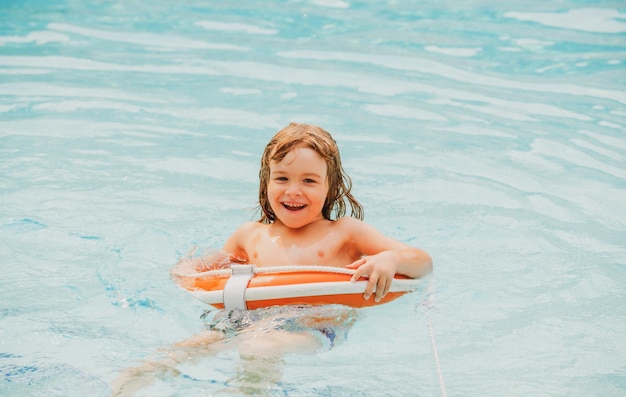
{"x":249,"y":227}
{"x":354,"y":229}
{"x":349,"y":224}
{"x":366,"y":238}
{"x":237,"y":241}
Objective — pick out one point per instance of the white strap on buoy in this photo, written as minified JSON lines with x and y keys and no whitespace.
{"x":235,"y":288}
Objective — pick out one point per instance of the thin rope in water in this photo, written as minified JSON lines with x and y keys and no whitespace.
{"x":427,"y":303}
{"x":442,"y":386}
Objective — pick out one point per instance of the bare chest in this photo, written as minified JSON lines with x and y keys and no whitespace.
{"x":324,"y":249}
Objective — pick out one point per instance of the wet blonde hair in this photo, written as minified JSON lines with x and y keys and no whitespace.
{"x":339,"y":183}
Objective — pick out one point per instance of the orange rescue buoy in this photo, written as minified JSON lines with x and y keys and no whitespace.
{"x":249,"y":287}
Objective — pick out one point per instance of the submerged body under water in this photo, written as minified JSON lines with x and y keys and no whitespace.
{"x":330,"y":324}
{"x":262,"y":338}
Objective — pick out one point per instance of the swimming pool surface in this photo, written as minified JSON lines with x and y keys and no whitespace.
{"x":491,"y":134}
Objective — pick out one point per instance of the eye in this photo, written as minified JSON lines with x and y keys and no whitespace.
{"x":309,"y":180}
{"x":281,"y":178}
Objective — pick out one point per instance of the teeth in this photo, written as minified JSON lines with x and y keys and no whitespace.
{"x":294,"y":206}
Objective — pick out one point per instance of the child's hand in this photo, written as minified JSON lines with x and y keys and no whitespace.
{"x":379,"y":269}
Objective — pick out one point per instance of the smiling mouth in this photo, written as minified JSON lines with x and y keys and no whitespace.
{"x":293,"y":206}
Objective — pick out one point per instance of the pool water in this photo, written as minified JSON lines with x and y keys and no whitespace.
{"x":488,"y":133}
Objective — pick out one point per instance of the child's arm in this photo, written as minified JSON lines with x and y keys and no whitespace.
{"x":235,"y":246}
{"x":383,"y":257}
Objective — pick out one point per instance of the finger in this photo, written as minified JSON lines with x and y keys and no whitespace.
{"x":360,"y":270}
{"x":356,"y":264}
{"x":371,"y":285}
{"x":357,"y":275}
{"x":382,"y":288}
{"x":387,"y":286}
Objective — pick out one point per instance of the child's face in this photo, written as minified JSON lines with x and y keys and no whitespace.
{"x":297,"y":187}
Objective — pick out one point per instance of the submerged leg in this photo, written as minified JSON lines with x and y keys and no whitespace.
{"x":137,"y":378}
{"x":262,"y":356}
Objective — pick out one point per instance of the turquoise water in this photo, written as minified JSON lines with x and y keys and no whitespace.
{"x":490,"y":134}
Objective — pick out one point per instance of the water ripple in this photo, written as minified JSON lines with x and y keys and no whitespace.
{"x":145,"y":39}
{"x":596,"y":20}
{"x":428,"y":67}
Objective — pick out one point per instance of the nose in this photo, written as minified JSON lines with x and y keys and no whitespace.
{"x":293,"y":189}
